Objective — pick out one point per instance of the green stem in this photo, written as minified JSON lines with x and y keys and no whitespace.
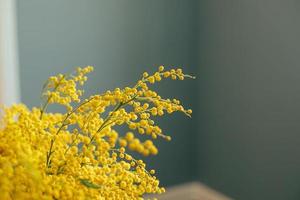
{"x":50,"y":152}
{"x":103,"y":125}
{"x":43,"y":109}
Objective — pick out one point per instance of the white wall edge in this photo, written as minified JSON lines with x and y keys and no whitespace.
{"x":9,"y":64}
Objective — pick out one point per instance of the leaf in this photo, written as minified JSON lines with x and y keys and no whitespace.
{"x":89,"y":184}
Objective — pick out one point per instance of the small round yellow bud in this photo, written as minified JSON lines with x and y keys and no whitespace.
{"x":145,"y":74}
{"x":160,"y":112}
{"x":141,"y":130}
{"x":168,"y":138}
{"x":132,"y":163}
{"x":179,"y":71}
{"x":123,"y":184}
{"x":132,"y":126}
{"x":151,"y":79}
{"x":129,"y":136}
{"x":128,"y":157}
{"x":174,"y":77}
{"x":121,"y":155}
{"x":122,"y":149}
{"x":161,"y":68}
{"x":123,"y":142}
{"x":167,"y":74}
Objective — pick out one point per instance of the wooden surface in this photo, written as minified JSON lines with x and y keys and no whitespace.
{"x":191,"y":191}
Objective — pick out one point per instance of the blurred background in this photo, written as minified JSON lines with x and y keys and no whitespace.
{"x":244,"y":137}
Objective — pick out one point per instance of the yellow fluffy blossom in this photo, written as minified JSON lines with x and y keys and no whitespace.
{"x":79,"y":154}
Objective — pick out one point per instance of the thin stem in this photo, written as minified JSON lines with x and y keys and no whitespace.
{"x":43,"y":109}
{"x":72,"y":144}
{"x":151,"y":99}
{"x":105,"y":121}
{"x":50,"y":152}
{"x":103,"y":125}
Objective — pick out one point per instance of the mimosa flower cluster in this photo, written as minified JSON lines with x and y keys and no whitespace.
{"x":79,"y":154}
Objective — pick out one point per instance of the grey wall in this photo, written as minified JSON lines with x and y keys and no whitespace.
{"x":249,"y":98}
{"x":121,"y":39}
